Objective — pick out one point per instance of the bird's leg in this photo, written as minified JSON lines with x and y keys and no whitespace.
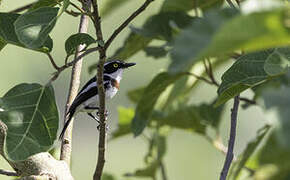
{"x":95,"y":118}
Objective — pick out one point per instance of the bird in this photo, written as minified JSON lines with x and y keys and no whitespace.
{"x":87,"y":99}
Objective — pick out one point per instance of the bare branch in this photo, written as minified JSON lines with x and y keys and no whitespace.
{"x":126,"y":22}
{"x":101,"y":90}
{"x":23,"y":8}
{"x":230,"y":153}
{"x":52,"y":61}
{"x":8,"y":173}
{"x":66,"y":145}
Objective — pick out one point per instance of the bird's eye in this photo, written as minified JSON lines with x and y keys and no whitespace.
{"x":115,"y":65}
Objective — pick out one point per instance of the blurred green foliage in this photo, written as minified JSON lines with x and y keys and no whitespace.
{"x":197,"y":36}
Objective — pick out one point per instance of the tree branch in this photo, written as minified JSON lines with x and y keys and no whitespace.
{"x":230,"y":154}
{"x":66,"y":145}
{"x":163,"y":171}
{"x":8,"y":173}
{"x":126,"y":22}
{"x":102,"y":58}
{"x":52,"y":61}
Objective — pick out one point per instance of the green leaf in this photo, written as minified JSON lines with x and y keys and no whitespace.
{"x":8,"y":35}
{"x":273,"y":160}
{"x":124,"y":123}
{"x":248,"y":152}
{"x":136,"y":94}
{"x":211,"y":115}
{"x":209,"y":37}
{"x":279,"y":100}
{"x":111,"y":5}
{"x":44,"y":3}
{"x":149,"y":98}
{"x":148,"y":171}
{"x":107,"y":176}
{"x":252,"y":69}
{"x":32,"y":28}
{"x":189,"y":118}
{"x":72,"y":43}
{"x":133,"y":44}
{"x":31,"y":115}
{"x":155,"y":51}
{"x":160,"y":25}
{"x":187,"y":5}
{"x":2,"y":43}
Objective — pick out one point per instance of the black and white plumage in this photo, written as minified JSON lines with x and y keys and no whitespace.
{"x":87,"y":99}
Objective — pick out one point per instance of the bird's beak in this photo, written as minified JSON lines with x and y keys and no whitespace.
{"x":126,"y":65}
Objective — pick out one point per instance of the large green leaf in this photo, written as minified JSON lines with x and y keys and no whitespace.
{"x":209,"y":36}
{"x":252,"y":69}
{"x":8,"y":35}
{"x":149,"y":98}
{"x":159,"y":26}
{"x":75,"y":40}
{"x":44,"y":3}
{"x":248,"y":152}
{"x":32,"y":28}
{"x":31,"y":115}
{"x":186,"y":5}
{"x":2,"y":43}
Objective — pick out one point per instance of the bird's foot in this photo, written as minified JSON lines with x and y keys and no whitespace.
{"x":99,"y":127}
{"x":106,"y":113}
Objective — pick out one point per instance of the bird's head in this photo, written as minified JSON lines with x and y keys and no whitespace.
{"x":115,"y":68}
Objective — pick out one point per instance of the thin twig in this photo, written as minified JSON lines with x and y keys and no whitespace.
{"x":17,"y":10}
{"x":163,"y":171}
{"x":52,"y":61}
{"x":66,"y":145}
{"x":200,"y":78}
{"x":248,"y":101}
{"x":100,"y":83}
{"x":230,"y":153}
{"x":126,"y":22}
{"x":8,"y":173}
{"x":210,"y":73}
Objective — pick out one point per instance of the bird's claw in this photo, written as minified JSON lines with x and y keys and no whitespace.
{"x":106,"y":113}
{"x":99,"y":127}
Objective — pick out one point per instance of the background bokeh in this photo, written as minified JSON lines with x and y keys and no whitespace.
{"x":189,"y":156}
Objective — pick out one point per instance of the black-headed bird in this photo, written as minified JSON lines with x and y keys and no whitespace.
{"x":87,"y":99}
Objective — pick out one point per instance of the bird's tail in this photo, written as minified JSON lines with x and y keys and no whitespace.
{"x":69,"y":116}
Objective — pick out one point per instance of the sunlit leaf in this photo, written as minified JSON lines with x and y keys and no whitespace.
{"x":209,"y":36}
{"x":8,"y":35}
{"x":252,"y":69}
{"x":72,"y":43}
{"x":31,"y":115}
{"x":124,"y":123}
{"x":32,"y":28}
{"x":149,"y":98}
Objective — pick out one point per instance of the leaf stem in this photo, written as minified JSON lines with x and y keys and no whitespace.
{"x":66,"y":145}
{"x":126,"y":22}
{"x":230,"y":154}
{"x":52,"y":61}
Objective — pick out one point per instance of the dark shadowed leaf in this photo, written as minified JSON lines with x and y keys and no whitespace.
{"x":111,"y":5}
{"x":211,"y":115}
{"x":136,"y":94}
{"x":32,"y":28}
{"x":159,"y":26}
{"x":2,"y":43}
{"x":273,"y":160}
{"x":248,"y":152}
{"x":44,"y":3}
{"x":185,"y":117}
{"x":8,"y":35}
{"x":186,"y":5}
{"x":278,"y":99}
{"x":155,"y":51}
{"x":30,"y":112}
{"x":209,"y":36}
{"x":75,"y":40}
{"x":252,"y":69}
{"x":149,"y":98}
